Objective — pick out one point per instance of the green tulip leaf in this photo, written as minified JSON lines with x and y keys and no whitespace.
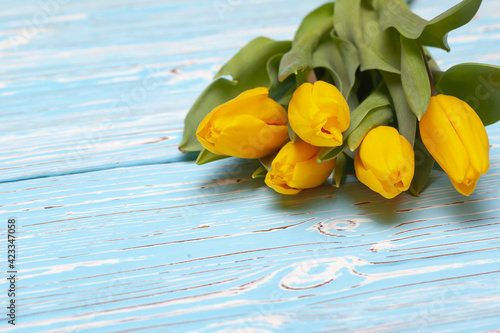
{"x":207,"y":156}
{"x":340,"y":169}
{"x":281,"y":92}
{"x":350,"y":29}
{"x":377,"y":99}
{"x":313,"y":20}
{"x":340,"y":58}
{"x":396,"y":14}
{"x":272,"y":66}
{"x":407,"y":121}
{"x":436,"y":32}
{"x":476,"y":84}
{"x":251,"y":61}
{"x":247,"y":69}
{"x":416,"y":84}
{"x":377,"y":117}
{"x":312,"y":29}
{"x":291,"y":134}
{"x":261,"y":172}
{"x":424,"y":163}
{"x":327,"y":154}
{"x":353,"y":100}
{"x":378,"y":48}
{"x":267,"y":161}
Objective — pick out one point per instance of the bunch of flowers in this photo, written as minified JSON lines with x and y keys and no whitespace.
{"x":357,"y":85}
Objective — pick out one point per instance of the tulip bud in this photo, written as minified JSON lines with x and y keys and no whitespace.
{"x":385,"y":162}
{"x":455,"y":136}
{"x":295,"y":168}
{"x":252,"y":125}
{"x":319,"y":114}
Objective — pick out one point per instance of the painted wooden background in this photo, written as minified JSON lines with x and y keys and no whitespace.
{"x":119,"y":232}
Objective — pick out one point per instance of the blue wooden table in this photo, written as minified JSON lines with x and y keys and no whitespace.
{"x":117,"y":231}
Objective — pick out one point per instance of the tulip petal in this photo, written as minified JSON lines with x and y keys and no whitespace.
{"x":385,"y":162}
{"x":249,"y":137}
{"x":408,"y":169}
{"x":319,"y":114}
{"x":310,"y":173}
{"x":279,"y":186}
{"x":300,"y":109}
{"x":207,"y":134}
{"x":443,"y":142}
{"x":259,"y":106}
{"x":469,"y":184}
{"x":470,"y":129}
{"x":381,"y":152}
{"x":295,"y":168}
{"x":251,"y":125}
{"x":327,"y":97}
{"x":368,"y":178}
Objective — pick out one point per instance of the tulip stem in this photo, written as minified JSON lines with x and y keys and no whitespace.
{"x":311,"y":76}
{"x":434,"y":91}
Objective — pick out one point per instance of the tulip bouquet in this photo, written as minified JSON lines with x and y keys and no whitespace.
{"x":356,"y":86}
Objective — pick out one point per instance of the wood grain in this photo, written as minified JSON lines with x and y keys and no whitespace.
{"x":108,"y":83}
{"x":178,"y":246}
{"x":119,"y":232}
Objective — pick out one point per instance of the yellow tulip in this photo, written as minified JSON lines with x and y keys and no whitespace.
{"x":455,"y":136}
{"x":252,"y":125}
{"x":385,"y":162}
{"x":319,"y":114}
{"x":295,"y":168}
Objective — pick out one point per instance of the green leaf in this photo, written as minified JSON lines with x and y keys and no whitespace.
{"x":340,"y":58}
{"x":328,"y":154}
{"x":423,"y":167}
{"x":347,"y":29}
{"x":379,"y":48}
{"x":281,"y":92}
{"x":353,"y":100}
{"x":267,"y":161}
{"x":291,"y":134}
{"x":476,"y":84}
{"x":255,"y":55}
{"x":312,"y":29}
{"x":261,"y":172}
{"x":436,"y":32}
{"x":394,"y":13}
{"x":358,"y":23}
{"x":377,"y":99}
{"x":340,"y":168}
{"x":416,"y":84}
{"x":248,"y":70}
{"x":207,"y":156}
{"x":378,"y":117}
{"x":407,"y":121}
{"x":272,"y":66}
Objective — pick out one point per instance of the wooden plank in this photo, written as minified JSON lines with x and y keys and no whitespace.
{"x":182,"y":247}
{"x":112,"y":239}
{"x":107,"y":83}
